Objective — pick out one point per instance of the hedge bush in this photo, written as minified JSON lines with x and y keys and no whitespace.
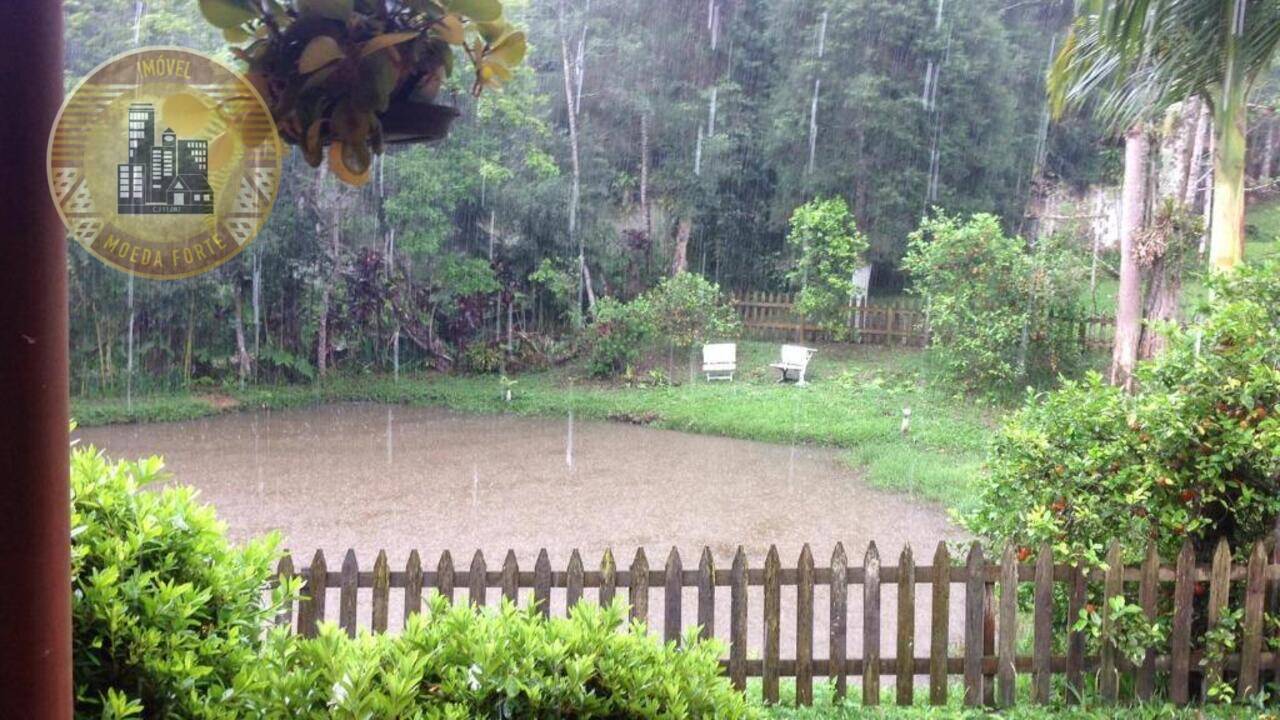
{"x":619,"y":334}
{"x":685,"y":310}
{"x":455,"y":662}
{"x":169,"y":623}
{"x":996,"y":307}
{"x":1195,"y":453}
{"x":824,"y":235}
{"x":165,"y":610}
{"x":689,"y":310}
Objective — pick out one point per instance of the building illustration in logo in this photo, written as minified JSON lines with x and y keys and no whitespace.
{"x":168,"y":177}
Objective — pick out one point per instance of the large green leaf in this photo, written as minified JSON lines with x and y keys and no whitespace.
{"x":510,"y":51}
{"x":450,"y":30}
{"x":382,"y":42}
{"x":321,"y":51}
{"x":478,"y":10}
{"x":332,"y":9}
{"x":227,"y":13}
{"x":378,"y":78}
{"x":493,"y":31}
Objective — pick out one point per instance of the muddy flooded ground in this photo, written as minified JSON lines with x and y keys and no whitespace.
{"x":395,"y":478}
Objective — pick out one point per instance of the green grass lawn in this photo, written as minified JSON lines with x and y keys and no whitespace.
{"x":854,"y":402}
{"x":824,"y":706}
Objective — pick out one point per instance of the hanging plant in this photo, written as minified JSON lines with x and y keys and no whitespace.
{"x":355,"y":75}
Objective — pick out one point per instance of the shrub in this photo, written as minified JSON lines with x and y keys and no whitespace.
{"x":165,"y":610}
{"x":619,"y":334}
{"x":482,"y":358}
{"x":1195,"y":454}
{"x":689,"y":310}
{"x":559,"y":281}
{"x":830,"y":250}
{"x":456,"y":662}
{"x":169,"y":621}
{"x":995,"y":309}
{"x":686,"y":309}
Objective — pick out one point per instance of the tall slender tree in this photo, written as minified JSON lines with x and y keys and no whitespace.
{"x":1179,"y":49}
{"x":1088,"y":68}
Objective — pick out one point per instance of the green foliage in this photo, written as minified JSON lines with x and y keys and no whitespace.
{"x":619,"y":334}
{"x":1220,"y":641}
{"x":938,"y":460}
{"x":558,"y":280}
{"x":151,"y":408}
{"x":875,"y":129}
{"x":295,"y":367}
{"x":165,"y":610}
{"x":457,"y":662}
{"x":169,"y":620}
{"x":482,"y":358}
{"x":460,"y":276}
{"x":503,"y":177}
{"x":995,"y":309}
{"x":686,"y":310}
{"x":829,"y":249}
{"x":1127,"y":628}
{"x":690,"y":310}
{"x":1195,"y":454}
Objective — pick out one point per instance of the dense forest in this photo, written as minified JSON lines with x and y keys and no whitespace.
{"x":637,"y":139}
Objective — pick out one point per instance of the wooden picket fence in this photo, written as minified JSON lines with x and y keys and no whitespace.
{"x":1097,"y":332}
{"x":987,"y":664}
{"x":770,"y":315}
{"x":902,"y":321}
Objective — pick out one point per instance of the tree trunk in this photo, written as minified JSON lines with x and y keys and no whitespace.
{"x":322,"y":333}
{"x":256,"y":296}
{"x":1177,"y":147}
{"x":128,"y":355}
{"x":242,"y":350}
{"x":1163,"y":259}
{"x":326,"y":288}
{"x":644,"y":191}
{"x":1129,"y":297}
{"x":1195,"y":164}
{"x":1226,"y":234}
{"x":680,"y":259}
{"x":189,"y":346}
{"x":580,"y":64}
{"x":590,"y":291}
{"x":1161,"y":304}
{"x":1266,"y":167}
{"x":571,"y":111}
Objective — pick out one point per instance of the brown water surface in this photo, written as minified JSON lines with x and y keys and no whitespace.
{"x":375,"y":477}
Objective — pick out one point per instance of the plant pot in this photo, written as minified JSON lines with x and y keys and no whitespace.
{"x":410,"y":122}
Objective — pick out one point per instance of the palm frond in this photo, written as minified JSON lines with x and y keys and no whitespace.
{"x":1140,"y":56}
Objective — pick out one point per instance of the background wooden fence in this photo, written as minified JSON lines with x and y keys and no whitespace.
{"x":770,"y":315}
{"x":902,"y":321}
{"x":987,"y":662}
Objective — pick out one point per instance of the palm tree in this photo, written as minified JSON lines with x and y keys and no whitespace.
{"x":1091,"y":69}
{"x":1172,"y":50}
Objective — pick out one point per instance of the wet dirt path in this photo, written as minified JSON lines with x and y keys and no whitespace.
{"x":397,"y":478}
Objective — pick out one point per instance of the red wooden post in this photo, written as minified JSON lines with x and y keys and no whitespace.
{"x":35,"y":553}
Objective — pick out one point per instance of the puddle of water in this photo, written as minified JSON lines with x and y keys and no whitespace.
{"x":372,"y":477}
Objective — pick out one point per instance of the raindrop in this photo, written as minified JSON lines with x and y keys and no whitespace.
{"x":568,"y":442}
{"x":817,"y":90}
{"x":390,"y":435}
{"x":475,"y":487}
